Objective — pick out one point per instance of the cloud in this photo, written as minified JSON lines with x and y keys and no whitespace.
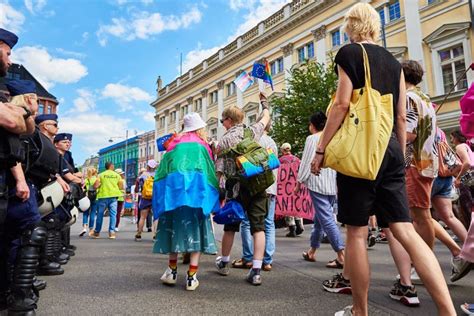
{"x":196,"y":56}
{"x":71,"y":53}
{"x":85,"y":102}
{"x":124,"y":95}
{"x":92,"y":130}
{"x":10,"y":18}
{"x":143,"y":24}
{"x":256,"y":11}
{"x":35,"y":5}
{"x":147,"y":116}
{"x":48,"y":69}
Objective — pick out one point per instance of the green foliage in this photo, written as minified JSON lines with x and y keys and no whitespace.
{"x":308,"y":90}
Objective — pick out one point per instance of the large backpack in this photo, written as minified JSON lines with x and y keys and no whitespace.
{"x":147,"y":190}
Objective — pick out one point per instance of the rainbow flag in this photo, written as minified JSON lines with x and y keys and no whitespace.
{"x":248,"y":169}
{"x":262,"y":71}
{"x":185,"y":177}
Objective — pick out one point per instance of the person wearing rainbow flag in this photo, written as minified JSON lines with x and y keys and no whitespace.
{"x":185,"y":192}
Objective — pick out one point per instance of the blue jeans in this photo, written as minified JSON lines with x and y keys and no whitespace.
{"x":247,"y":241}
{"x":88,"y":217}
{"x":324,"y":222}
{"x":111,"y":204}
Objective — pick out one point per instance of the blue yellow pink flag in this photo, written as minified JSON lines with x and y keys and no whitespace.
{"x":243,"y":81}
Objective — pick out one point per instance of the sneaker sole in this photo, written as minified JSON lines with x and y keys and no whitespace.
{"x":408,"y":301}
{"x":168,"y":282}
{"x":463,"y":273}
{"x":343,"y":290}
{"x":192,"y":288}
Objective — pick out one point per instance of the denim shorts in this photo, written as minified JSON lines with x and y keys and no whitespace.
{"x":442,"y":187}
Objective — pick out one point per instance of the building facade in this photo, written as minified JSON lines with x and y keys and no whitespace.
{"x":116,"y":154}
{"x":47,"y":103}
{"x":437,"y":33}
{"x":146,"y":148}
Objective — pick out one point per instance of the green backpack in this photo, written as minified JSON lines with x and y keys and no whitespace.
{"x":257,"y":155}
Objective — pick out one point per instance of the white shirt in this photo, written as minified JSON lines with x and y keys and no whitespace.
{"x":267,"y":142}
{"x":325,"y":183}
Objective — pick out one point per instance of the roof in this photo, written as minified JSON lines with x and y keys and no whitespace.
{"x":118,"y":145}
{"x":17,"y":71}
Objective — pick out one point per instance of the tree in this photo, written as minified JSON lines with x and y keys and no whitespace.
{"x":308,"y":90}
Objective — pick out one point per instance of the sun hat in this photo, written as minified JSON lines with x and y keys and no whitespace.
{"x":152,"y":163}
{"x":119,"y":171}
{"x":285,"y":146}
{"x":193,"y":122}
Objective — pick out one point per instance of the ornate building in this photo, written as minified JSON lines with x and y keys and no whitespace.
{"x":146,"y":148}
{"x":437,"y":33}
{"x":47,"y":102}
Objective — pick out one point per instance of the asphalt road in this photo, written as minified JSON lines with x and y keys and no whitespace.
{"x":121,"y":277}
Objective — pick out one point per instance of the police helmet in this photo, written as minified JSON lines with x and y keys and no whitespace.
{"x":74,"y":212}
{"x":50,"y":197}
{"x":83,"y":204}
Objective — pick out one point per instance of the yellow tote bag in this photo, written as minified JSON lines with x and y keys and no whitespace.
{"x":358,"y":147}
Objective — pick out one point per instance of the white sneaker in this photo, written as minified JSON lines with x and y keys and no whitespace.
{"x":415,"y":279}
{"x":192,"y":283}
{"x":117,"y":229}
{"x":170,"y":276}
{"x":459,"y":268}
{"x":347,"y":311}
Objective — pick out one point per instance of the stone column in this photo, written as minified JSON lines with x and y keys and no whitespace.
{"x":204,"y":93}
{"x":320,"y":39}
{"x":414,"y":35}
{"x":239,"y":93}
{"x":287,"y":59}
{"x":167,"y":117}
{"x":220,"y":107}
{"x":177,"y":128}
{"x":190,"y":104}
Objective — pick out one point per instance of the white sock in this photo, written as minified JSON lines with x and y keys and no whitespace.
{"x":225,"y":258}
{"x":256,"y":264}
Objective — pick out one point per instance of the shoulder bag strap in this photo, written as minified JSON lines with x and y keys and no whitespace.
{"x":368,"y":80}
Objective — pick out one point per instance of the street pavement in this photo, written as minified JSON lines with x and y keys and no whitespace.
{"x":122,"y":277}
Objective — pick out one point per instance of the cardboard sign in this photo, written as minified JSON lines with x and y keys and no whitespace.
{"x":289,"y":203}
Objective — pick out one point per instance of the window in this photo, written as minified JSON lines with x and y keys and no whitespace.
{"x":301,"y":56}
{"x":346,"y":38}
{"x":162,"y":122}
{"x":252,"y":119}
{"x":382,"y":15}
{"x":214,"y":97}
{"x":336,"y":38}
{"x":230,"y":89}
{"x":141,"y":152}
{"x":276,"y":66}
{"x":310,"y":49}
{"x":452,"y":66}
{"x":394,"y":10}
{"x":198,"y":105}
{"x":173,"y":117}
{"x":214,"y":133}
{"x":49,"y":109}
{"x":40,"y":108}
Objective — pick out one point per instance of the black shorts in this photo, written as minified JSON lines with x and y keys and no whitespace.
{"x":256,"y":208}
{"x":385,"y":197}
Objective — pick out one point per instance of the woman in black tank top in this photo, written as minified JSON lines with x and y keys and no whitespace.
{"x":386,"y":195}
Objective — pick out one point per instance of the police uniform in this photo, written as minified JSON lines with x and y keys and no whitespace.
{"x":25,"y":233}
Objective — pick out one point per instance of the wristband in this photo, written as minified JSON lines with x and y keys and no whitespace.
{"x":27,"y":113}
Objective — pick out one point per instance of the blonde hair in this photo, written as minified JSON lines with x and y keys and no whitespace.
{"x":20,"y":100}
{"x":362,"y":22}
{"x":234,"y":113}
{"x":91,"y":172}
{"x":202,"y":133}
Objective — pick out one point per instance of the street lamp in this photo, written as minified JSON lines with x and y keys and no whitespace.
{"x":111,"y":140}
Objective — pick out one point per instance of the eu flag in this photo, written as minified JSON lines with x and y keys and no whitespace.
{"x":262,"y":71}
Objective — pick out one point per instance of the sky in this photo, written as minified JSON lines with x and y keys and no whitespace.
{"x":101,"y":58}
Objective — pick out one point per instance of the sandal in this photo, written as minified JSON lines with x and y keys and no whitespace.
{"x":307,"y":257}
{"x":241,"y":264}
{"x":334,"y":264}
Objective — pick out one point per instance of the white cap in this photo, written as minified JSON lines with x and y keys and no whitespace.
{"x":152,"y":163}
{"x":119,"y":171}
{"x":193,"y":122}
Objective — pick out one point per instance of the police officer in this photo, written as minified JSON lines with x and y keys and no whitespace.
{"x":13,"y":122}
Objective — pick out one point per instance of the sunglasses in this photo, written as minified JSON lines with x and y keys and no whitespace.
{"x":54,"y":124}
{"x":222,"y":120}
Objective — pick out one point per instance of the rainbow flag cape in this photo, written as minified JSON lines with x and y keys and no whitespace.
{"x":185,"y":177}
{"x":262,"y":71}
